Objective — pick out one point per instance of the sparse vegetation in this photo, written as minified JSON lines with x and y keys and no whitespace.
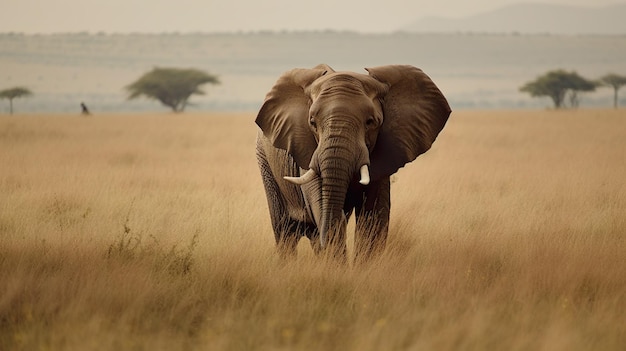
{"x":614,"y":81}
{"x":148,"y":233}
{"x":482,"y":70}
{"x":557,"y":84}
{"x":14,"y":93}
{"x":171,"y":86}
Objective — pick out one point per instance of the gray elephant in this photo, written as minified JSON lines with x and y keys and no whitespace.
{"x":329,"y":141}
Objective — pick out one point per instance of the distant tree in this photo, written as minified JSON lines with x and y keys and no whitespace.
{"x":171,"y":86}
{"x":13,"y":93}
{"x":579,"y":84}
{"x":615,"y":81}
{"x":556,"y":84}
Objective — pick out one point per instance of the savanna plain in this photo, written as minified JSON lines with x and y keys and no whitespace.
{"x":151,"y":232}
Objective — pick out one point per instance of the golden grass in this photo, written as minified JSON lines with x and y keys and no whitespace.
{"x":151,"y":232}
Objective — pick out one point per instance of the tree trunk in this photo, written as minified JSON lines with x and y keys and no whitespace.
{"x":11,"y":106}
{"x":558,"y":98}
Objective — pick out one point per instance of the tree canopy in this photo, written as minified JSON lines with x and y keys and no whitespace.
{"x":171,"y":86}
{"x":13,"y":93}
{"x":556,"y":84}
{"x":616,"y":82}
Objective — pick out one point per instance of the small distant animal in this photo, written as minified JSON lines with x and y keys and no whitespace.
{"x":85,"y":110}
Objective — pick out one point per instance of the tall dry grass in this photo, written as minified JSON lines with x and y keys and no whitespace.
{"x":150,"y":232}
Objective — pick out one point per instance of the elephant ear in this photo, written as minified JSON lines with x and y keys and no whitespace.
{"x":284,"y":116}
{"x":414,"y":112}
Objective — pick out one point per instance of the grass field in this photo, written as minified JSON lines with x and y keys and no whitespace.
{"x":151,"y":232}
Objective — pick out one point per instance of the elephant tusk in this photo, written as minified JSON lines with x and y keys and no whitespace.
{"x":303,"y":179}
{"x":365,"y":175}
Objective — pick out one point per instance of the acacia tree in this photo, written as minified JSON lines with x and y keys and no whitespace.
{"x":13,"y":93}
{"x":615,"y":81}
{"x":171,"y":86}
{"x":579,"y":84}
{"x":556,"y":84}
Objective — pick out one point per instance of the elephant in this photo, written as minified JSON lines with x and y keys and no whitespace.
{"x":327,"y":144}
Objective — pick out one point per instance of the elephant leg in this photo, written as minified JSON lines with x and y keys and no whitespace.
{"x":287,"y":237}
{"x":286,"y":230}
{"x":372,"y":221}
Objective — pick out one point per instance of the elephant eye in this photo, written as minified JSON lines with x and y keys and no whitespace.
{"x":312,"y":122}
{"x":370,"y":122}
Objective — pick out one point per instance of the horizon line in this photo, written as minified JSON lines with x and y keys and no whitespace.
{"x":301,"y":31}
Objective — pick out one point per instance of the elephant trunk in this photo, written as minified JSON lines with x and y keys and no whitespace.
{"x":335,"y":181}
{"x":341,"y":159}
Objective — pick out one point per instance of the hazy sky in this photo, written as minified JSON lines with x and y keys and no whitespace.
{"x":45,"y":16}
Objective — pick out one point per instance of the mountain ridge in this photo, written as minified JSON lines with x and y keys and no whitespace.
{"x":531,"y":18}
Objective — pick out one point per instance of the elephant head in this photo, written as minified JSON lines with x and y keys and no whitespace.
{"x":347,"y":128}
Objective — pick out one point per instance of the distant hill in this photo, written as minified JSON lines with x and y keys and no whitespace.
{"x":532,"y":18}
